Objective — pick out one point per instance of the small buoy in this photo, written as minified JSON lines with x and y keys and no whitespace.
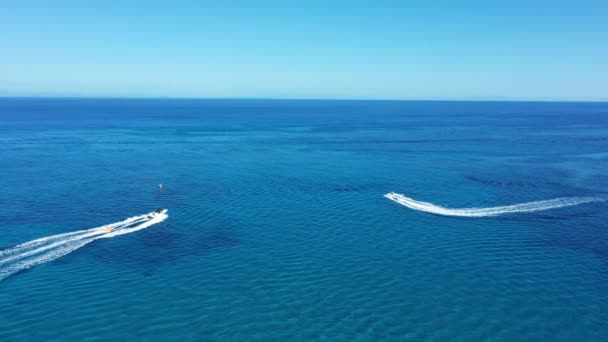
{"x":160,"y":186}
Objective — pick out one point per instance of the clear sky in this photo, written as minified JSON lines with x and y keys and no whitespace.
{"x":547,"y":50}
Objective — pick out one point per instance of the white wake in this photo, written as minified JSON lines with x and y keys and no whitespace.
{"x":35,"y":252}
{"x":528,"y":207}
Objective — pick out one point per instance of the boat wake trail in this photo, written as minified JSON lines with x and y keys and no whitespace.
{"x":35,"y":252}
{"x":528,"y":207}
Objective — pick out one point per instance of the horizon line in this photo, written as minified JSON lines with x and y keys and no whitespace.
{"x":112,"y":97}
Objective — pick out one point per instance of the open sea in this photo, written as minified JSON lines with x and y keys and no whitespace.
{"x":278,"y":227}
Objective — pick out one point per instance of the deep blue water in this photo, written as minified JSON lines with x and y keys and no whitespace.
{"x":278,"y":229}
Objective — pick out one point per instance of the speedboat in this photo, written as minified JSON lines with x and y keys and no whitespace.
{"x":156,"y":212}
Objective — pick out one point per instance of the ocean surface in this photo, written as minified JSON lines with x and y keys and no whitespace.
{"x":278,"y":227}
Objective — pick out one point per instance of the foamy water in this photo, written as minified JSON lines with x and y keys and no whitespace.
{"x":528,"y":207}
{"x":49,"y":248}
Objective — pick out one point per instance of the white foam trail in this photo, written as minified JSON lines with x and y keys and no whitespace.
{"x":35,"y":252}
{"x":493,"y":211}
{"x":30,"y":244}
{"x":40,"y":245}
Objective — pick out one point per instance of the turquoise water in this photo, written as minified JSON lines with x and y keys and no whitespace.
{"x":278,"y":228}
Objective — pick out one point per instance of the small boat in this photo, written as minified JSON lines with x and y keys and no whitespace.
{"x":157,"y":212}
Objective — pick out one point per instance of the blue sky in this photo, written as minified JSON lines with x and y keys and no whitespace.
{"x":546,"y":50}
